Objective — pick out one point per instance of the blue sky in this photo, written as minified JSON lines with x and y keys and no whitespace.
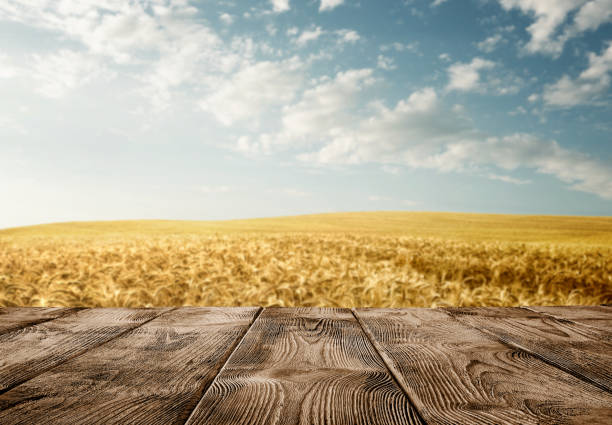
{"x":176,"y":109}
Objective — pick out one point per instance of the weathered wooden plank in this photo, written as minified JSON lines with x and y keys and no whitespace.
{"x":578,"y":349}
{"x":154,"y":374}
{"x":30,"y":351}
{"x":304,"y":366}
{"x":13,"y":318}
{"x":455,"y":374}
{"x":596,"y":316}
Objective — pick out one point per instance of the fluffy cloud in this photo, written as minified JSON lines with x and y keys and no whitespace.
{"x":580,"y":171}
{"x":329,"y":4}
{"x":226,"y":18}
{"x":507,"y":179}
{"x":473,"y":77}
{"x":386,"y":63}
{"x":414,"y":130}
{"x":164,"y":40}
{"x":592,"y":15}
{"x":401,"y":47}
{"x":418,"y":132}
{"x":348,"y":36}
{"x":280,"y":6}
{"x":253,"y":89}
{"x":124,"y":31}
{"x":325,"y":105}
{"x":587,"y":88}
{"x":7,"y":69}
{"x":309,"y":35}
{"x":321,"y":111}
{"x":58,"y":73}
{"x":490,"y":43}
{"x":466,"y":76}
{"x":550,"y":15}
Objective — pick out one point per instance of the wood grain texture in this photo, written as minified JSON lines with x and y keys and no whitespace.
{"x":455,"y":374}
{"x":304,"y":366}
{"x":154,"y":374}
{"x":596,"y":316}
{"x":578,"y":349}
{"x":13,"y":318}
{"x":30,"y":351}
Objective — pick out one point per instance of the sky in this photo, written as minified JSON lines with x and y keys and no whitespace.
{"x":178,"y":109}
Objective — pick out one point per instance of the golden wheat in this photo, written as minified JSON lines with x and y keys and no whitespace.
{"x":296,"y":269}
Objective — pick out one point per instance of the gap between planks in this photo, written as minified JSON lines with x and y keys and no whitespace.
{"x":228,"y":355}
{"x":561,"y":318}
{"x":80,"y":353}
{"x":65,"y":312}
{"x":535,"y":353}
{"x":385,"y":361}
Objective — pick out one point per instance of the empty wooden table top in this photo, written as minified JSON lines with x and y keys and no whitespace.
{"x":249,"y":365}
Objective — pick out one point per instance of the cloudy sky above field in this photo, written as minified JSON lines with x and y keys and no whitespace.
{"x":116,"y":109}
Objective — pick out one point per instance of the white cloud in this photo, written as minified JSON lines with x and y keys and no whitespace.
{"x":324,"y":105}
{"x":7,"y":69}
{"x":226,"y":18}
{"x":420,"y":132}
{"x":329,"y":4}
{"x":414,"y":129}
{"x":550,"y":15}
{"x":444,"y":57}
{"x":519,"y":110}
{"x":292,"y":31}
{"x":309,"y":35}
{"x":58,"y":73}
{"x":320,"y":112}
{"x":438,"y":3}
{"x":401,"y":47}
{"x":592,"y":15}
{"x":280,"y":6}
{"x":253,"y":90}
{"x":490,"y":43}
{"x":115,"y":29}
{"x":348,"y":36}
{"x":507,"y":179}
{"x":386,"y":63}
{"x":587,"y":88}
{"x":580,"y":171}
{"x":466,"y":76}
{"x":165,"y":41}
{"x":271,"y":29}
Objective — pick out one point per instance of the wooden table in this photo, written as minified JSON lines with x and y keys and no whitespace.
{"x":536,"y":365}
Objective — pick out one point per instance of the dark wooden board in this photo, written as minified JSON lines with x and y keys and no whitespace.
{"x":154,"y":374}
{"x":456,"y":374}
{"x":304,"y":366}
{"x":30,"y":351}
{"x":579,"y":349}
{"x":597,"y":316}
{"x":13,"y":318}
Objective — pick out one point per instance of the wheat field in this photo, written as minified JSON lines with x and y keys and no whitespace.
{"x":389,"y":259}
